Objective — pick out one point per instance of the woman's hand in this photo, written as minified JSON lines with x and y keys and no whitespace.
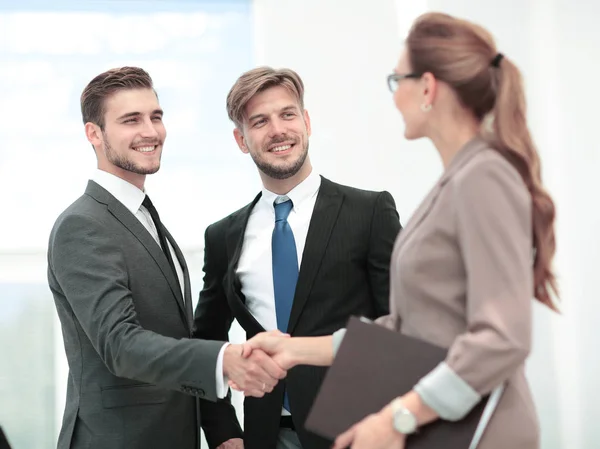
{"x":374,"y":432}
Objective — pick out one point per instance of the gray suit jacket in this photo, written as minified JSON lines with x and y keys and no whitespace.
{"x":134,"y":374}
{"x":462,"y":277}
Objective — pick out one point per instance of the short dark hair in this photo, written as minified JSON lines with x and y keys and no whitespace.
{"x":104,"y":85}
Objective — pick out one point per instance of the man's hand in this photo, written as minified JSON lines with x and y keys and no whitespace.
{"x":272,"y":344}
{"x":275,"y":344}
{"x":234,"y":443}
{"x":255,"y":374}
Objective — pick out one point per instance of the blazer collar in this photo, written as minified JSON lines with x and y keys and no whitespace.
{"x":124,"y":215}
{"x":324,"y":217}
{"x":464,"y":155}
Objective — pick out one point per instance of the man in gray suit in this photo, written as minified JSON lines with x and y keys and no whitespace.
{"x":122,"y":293}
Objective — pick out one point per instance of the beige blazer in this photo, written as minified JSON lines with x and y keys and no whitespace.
{"x":461,"y":277}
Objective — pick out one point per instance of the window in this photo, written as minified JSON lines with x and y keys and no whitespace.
{"x":194,"y":51}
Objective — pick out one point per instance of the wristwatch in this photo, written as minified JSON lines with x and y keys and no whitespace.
{"x":404,"y":420}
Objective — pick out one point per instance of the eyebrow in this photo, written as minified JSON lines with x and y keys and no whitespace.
{"x":137,"y":114}
{"x":284,"y":109}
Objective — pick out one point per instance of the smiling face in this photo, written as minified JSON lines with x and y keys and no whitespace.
{"x":409,"y":96}
{"x":130,"y":145}
{"x":275,"y":133}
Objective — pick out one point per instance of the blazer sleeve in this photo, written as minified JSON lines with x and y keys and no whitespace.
{"x":493,"y":219}
{"x":213,"y":317}
{"x":212,"y":321}
{"x":385,"y":226}
{"x":89,"y":266}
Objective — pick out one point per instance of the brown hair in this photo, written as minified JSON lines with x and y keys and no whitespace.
{"x":464,"y":56}
{"x":104,"y":85}
{"x":258,"y":80}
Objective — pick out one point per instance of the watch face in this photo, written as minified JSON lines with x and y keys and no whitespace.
{"x":405,"y":422}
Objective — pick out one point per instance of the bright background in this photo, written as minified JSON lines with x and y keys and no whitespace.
{"x":194,"y":51}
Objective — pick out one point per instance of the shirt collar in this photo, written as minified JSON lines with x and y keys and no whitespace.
{"x":128,"y":194}
{"x":299,"y":194}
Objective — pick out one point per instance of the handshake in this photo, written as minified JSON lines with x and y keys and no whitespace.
{"x":256,"y":366}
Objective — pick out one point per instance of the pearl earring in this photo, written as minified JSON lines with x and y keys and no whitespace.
{"x":426,"y":107}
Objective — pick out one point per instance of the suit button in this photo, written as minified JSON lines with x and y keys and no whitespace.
{"x":201,"y":392}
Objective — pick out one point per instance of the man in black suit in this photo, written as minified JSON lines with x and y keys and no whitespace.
{"x":122,"y":293}
{"x":302,"y":257}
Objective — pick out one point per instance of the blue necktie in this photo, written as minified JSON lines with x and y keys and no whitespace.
{"x":285,"y":269}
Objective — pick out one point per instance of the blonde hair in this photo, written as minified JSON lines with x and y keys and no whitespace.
{"x":464,"y":56}
{"x":257,"y":80}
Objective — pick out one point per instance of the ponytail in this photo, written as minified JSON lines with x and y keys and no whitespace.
{"x":512,"y":139}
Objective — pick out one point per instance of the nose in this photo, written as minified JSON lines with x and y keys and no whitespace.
{"x":277,"y":127}
{"x":149,"y":129}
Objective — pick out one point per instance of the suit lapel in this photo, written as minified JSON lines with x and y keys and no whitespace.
{"x":418,"y":216}
{"x":187,"y":294}
{"x":121,"y":213}
{"x":235,"y":242}
{"x":324,"y":217}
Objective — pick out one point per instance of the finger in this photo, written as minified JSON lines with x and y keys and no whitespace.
{"x":246,"y":350}
{"x":262,"y":383}
{"x":256,"y":376}
{"x":233,"y":385}
{"x":254,"y":393}
{"x":266,"y":386}
{"x":272,"y":369}
{"x":345,"y":439}
{"x":267,"y":341}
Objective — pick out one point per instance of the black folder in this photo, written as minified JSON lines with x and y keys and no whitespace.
{"x":373,"y":366}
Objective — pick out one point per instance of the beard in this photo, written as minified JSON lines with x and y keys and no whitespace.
{"x":280,"y":171}
{"x":125,"y":163}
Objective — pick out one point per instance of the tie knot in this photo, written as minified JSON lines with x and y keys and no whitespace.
{"x":147,"y":203}
{"x":283,"y":209}
{"x":150,"y":207}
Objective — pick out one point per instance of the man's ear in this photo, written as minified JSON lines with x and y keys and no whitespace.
{"x":240,"y":139}
{"x":93,"y":133}
{"x":307,"y":122}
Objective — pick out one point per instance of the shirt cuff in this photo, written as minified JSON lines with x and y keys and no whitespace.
{"x":222,"y":387}
{"x":446,"y":393}
{"x":338,"y":336}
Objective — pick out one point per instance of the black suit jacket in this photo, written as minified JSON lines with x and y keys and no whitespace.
{"x":344,"y":272}
{"x":135,"y":375}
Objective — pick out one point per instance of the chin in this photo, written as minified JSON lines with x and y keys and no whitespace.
{"x":410,"y":134}
{"x":149,"y":169}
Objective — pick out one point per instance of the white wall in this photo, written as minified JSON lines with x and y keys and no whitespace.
{"x":344,"y":50}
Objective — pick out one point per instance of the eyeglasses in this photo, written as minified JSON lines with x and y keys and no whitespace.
{"x":395,"y":78}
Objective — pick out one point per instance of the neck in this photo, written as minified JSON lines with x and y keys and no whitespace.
{"x":132,"y":178}
{"x":284,"y":186}
{"x":453,"y":136}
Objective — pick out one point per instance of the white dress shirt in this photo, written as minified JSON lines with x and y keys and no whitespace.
{"x":255,"y":267}
{"x":131,"y":197}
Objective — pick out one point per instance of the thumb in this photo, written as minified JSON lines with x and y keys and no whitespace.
{"x":246,"y":350}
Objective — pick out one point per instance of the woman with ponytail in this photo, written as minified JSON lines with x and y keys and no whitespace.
{"x":465,"y":268}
